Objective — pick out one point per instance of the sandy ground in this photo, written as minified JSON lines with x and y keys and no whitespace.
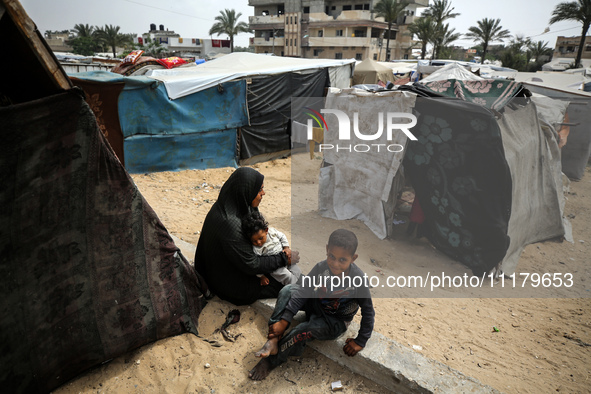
{"x":542,"y":344}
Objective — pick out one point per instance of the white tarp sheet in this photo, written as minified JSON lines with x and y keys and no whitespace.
{"x":359,"y":184}
{"x":183,"y":81}
{"x":452,"y":71}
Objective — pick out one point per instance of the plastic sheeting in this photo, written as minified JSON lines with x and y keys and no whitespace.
{"x":198,"y":151}
{"x":149,"y":111}
{"x":452,"y":71}
{"x":269,"y":106}
{"x":362,"y":185}
{"x":533,"y":157}
{"x":183,"y":81}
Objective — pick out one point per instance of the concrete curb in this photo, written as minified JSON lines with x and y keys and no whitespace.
{"x":383,"y":360}
{"x":390,"y":364}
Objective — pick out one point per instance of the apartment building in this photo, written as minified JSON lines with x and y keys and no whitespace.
{"x":567,"y":47}
{"x":325,"y":29}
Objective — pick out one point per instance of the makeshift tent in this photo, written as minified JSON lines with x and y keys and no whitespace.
{"x":271,"y":84}
{"x":484,"y":170}
{"x":88,"y":271}
{"x":186,"y":80}
{"x":198,"y":131}
{"x":488,"y":182}
{"x":369,"y":72}
{"x":575,"y":154}
{"x":362,"y":185}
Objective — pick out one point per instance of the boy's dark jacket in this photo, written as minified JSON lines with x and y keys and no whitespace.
{"x":342,"y":302}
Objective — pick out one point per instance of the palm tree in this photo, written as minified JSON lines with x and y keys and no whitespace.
{"x":440,"y":11}
{"x":84,"y":30}
{"x":227,"y":23}
{"x":111,"y":36}
{"x":423,"y":29}
{"x":579,"y":11}
{"x":389,"y":10}
{"x":488,"y":30}
{"x":443,"y":38}
{"x":539,"y":48}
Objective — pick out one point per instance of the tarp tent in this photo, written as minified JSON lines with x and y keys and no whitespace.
{"x":371,"y":72}
{"x":88,"y":271}
{"x":197,"y":131}
{"x":186,"y":80}
{"x":272,"y":83}
{"x":484,"y":170}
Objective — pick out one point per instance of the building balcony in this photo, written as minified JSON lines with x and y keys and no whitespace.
{"x":266,"y":19}
{"x":340,"y":42}
{"x":263,"y":42}
{"x":357,"y":15}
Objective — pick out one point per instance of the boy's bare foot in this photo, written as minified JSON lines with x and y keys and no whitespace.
{"x":269,"y":348}
{"x":261,"y":370}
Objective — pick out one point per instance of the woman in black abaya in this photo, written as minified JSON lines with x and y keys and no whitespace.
{"x":224,"y":256}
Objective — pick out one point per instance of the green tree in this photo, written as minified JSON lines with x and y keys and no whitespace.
{"x":538,"y":49}
{"x":579,"y":11}
{"x":487,"y":31}
{"x":152,"y":48}
{"x":443,"y":39}
{"x":227,"y":23}
{"x":112,"y":37}
{"x":389,"y":10}
{"x":423,"y":29}
{"x":439,"y":12}
{"x":85,"y":46}
{"x":84,"y":30}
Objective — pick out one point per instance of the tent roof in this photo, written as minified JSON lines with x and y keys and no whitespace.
{"x":183,"y":81}
{"x":371,"y":65}
{"x":451,"y":71}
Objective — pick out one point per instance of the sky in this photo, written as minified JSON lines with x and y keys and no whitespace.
{"x":194,"y":18}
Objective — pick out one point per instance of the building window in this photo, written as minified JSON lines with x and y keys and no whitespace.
{"x":338,"y":55}
{"x":366,"y":7}
{"x":295,"y":20}
{"x":295,"y":42}
{"x":320,"y":33}
{"x":588,"y":48}
{"x":375,"y":56}
{"x":316,"y":52}
{"x":358,"y":56}
{"x":306,"y":10}
{"x":360,"y":33}
{"x":346,"y":8}
{"x":339,"y":33}
{"x":358,"y":6}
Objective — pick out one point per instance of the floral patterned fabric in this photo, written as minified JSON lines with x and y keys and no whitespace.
{"x":87,"y":270}
{"x":462,"y":180}
{"x":490,"y":93}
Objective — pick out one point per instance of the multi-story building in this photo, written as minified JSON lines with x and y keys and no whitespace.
{"x":329,"y":29}
{"x":567,"y":47}
{"x":175,"y":45}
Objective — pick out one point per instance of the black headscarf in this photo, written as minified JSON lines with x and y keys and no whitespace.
{"x":224,"y":255}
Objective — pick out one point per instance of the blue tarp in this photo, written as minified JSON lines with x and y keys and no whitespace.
{"x":196,"y":131}
{"x":180,"y":152}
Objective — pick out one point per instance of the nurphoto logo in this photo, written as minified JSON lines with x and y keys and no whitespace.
{"x":392,"y":121}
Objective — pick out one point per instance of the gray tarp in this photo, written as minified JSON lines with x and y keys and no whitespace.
{"x":360,"y":185}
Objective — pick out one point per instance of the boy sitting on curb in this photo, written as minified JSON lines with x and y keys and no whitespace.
{"x":330,"y":301}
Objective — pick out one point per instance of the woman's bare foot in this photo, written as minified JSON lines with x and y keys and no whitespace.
{"x":261,"y":370}
{"x":269,"y":348}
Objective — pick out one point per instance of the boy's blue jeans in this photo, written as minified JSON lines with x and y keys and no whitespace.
{"x":317,"y":326}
